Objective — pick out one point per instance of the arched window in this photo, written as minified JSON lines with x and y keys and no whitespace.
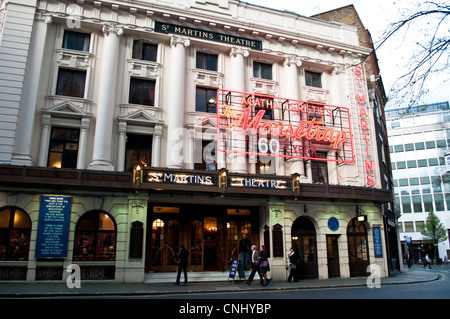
{"x":95,"y":237}
{"x":15,"y":230}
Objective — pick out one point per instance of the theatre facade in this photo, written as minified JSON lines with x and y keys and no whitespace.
{"x":136,"y":127}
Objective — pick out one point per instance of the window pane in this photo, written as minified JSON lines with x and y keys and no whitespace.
{"x":420,"y":146}
{"x":142,"y":92}
{"x":71,"y":83}
{"x":206,"y":61}
{"x":76,"y":41}
{"x":21,"y":219}
{"x":5,"y":216}
{"x":409,"y":226}
{"x":313,"y":79}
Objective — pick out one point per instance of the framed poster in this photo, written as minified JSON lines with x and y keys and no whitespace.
{"x":53,"y":227}
{"x":377,"y":243}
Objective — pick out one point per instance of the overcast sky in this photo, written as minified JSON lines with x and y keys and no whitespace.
{"x":376,"y":16}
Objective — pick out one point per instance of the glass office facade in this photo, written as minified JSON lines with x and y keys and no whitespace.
{"x":419,"y":138}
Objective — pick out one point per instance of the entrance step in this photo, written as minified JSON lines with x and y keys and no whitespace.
{"x":200,"y":276}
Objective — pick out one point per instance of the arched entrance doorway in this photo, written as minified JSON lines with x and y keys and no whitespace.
{"x":304,"y":240}
{"x":358,"y":250}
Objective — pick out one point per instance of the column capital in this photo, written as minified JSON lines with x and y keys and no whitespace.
{"x":291,"y":59}
{"x":158,"y":131}
{"x":235,"y":51}
{"x":174,"y":40}
{"x":107,"y":28}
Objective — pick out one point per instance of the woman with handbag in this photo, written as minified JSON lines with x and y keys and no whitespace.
{"x":263,"y":265}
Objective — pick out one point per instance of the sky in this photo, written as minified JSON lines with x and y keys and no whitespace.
{"x":376,"y":16}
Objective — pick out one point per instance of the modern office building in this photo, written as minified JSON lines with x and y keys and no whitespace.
{"x":419,"y":139}
{"x":129,"y":128}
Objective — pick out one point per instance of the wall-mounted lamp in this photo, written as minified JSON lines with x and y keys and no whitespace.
{"x":223,"y":179}
{"x":138,"y":174}
{"x":296,"y":184}
{"x":361,"y":214}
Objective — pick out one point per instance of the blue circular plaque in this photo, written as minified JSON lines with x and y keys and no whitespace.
{"x":333,"y":223}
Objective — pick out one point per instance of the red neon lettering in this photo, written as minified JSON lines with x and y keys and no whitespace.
{"x":361,"y":98}
{"x":369,"y":165}
{"x":370,"y":180}
{"x":363,"y":112}
{"x":364,"y":125}
{"x":358,"y":70}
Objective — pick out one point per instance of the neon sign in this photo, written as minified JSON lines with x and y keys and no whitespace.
{"x":278,"y":127}
{"x":364,"y":124}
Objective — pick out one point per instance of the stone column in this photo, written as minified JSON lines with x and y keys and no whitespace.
{"x":156,"y":146}
{"x":332,"y":167}
{"x":101,"y":159}
{"x":238,"y":79}
{"x":25,"y":123}
{"x":176,"y":104}
{"x":82,"y":143}
{"x":45,"y":135}
{"x":121,"y":146}
{"x":292,"y":88}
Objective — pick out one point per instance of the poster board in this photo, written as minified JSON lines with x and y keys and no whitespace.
{"x":53,"y":227}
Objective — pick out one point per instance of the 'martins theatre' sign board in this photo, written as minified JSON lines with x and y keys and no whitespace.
{"x":272,"y":126}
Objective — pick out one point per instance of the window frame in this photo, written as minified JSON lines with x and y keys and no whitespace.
{"x":94,"y":234}
{"x":86,"y":36}
{"x":60,"y":91}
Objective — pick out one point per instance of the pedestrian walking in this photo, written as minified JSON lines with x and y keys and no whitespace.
{"x":255,"y":266}
{"x":263,"y":265}
{"x":409,"y":260}
{"x":427,"y":262}
{"x":183,"y":256}
{"x":244,"y":249}
{"x":293,"y":259}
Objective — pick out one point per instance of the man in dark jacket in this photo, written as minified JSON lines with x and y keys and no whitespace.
{"x":244,"y":249}
{"x":184,"y":257}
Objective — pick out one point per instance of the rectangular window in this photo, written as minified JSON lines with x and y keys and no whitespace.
{"x":319,"y":169}
{"x":417,"y":204}
{"x":433,"y":162}
{"x":205,"y":157}
{"x":262,"y":70}
{"x":420,"y":146}
{"x":401,"y":165}
{"x":406,"y":204}
{"x":439,"y":202}
{"x":142,"y":92}
{"x":138,"y":151}
{"x":144,"y":51}
{"x":206,"y":61}
{"x":71,"y":83}
{"x":63,"y":148}
{"x":205,"y":100}
{"x":409,"y":147}
{"x":76,"y":41}
{"x":420,"y":226}
{"x":427,"y":202}
{"x":412,"y":164}
{"x":430,"y":144}
{"x":422,"y":163}
{"x":313,"y":79}
{"x":409,"y":226}
{"x":398,"y":148}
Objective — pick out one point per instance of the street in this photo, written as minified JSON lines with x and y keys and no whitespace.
{"x":439,"y":289}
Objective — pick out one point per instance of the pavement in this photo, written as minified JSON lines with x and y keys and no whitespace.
{"x":16,"y":289}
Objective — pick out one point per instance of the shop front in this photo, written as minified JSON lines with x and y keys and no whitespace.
{"x":211,"y":234}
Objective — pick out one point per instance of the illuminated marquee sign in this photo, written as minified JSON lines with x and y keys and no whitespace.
{"x":177,"y":178}
{"x":273,"y":126}
{"x":260,"y":182}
